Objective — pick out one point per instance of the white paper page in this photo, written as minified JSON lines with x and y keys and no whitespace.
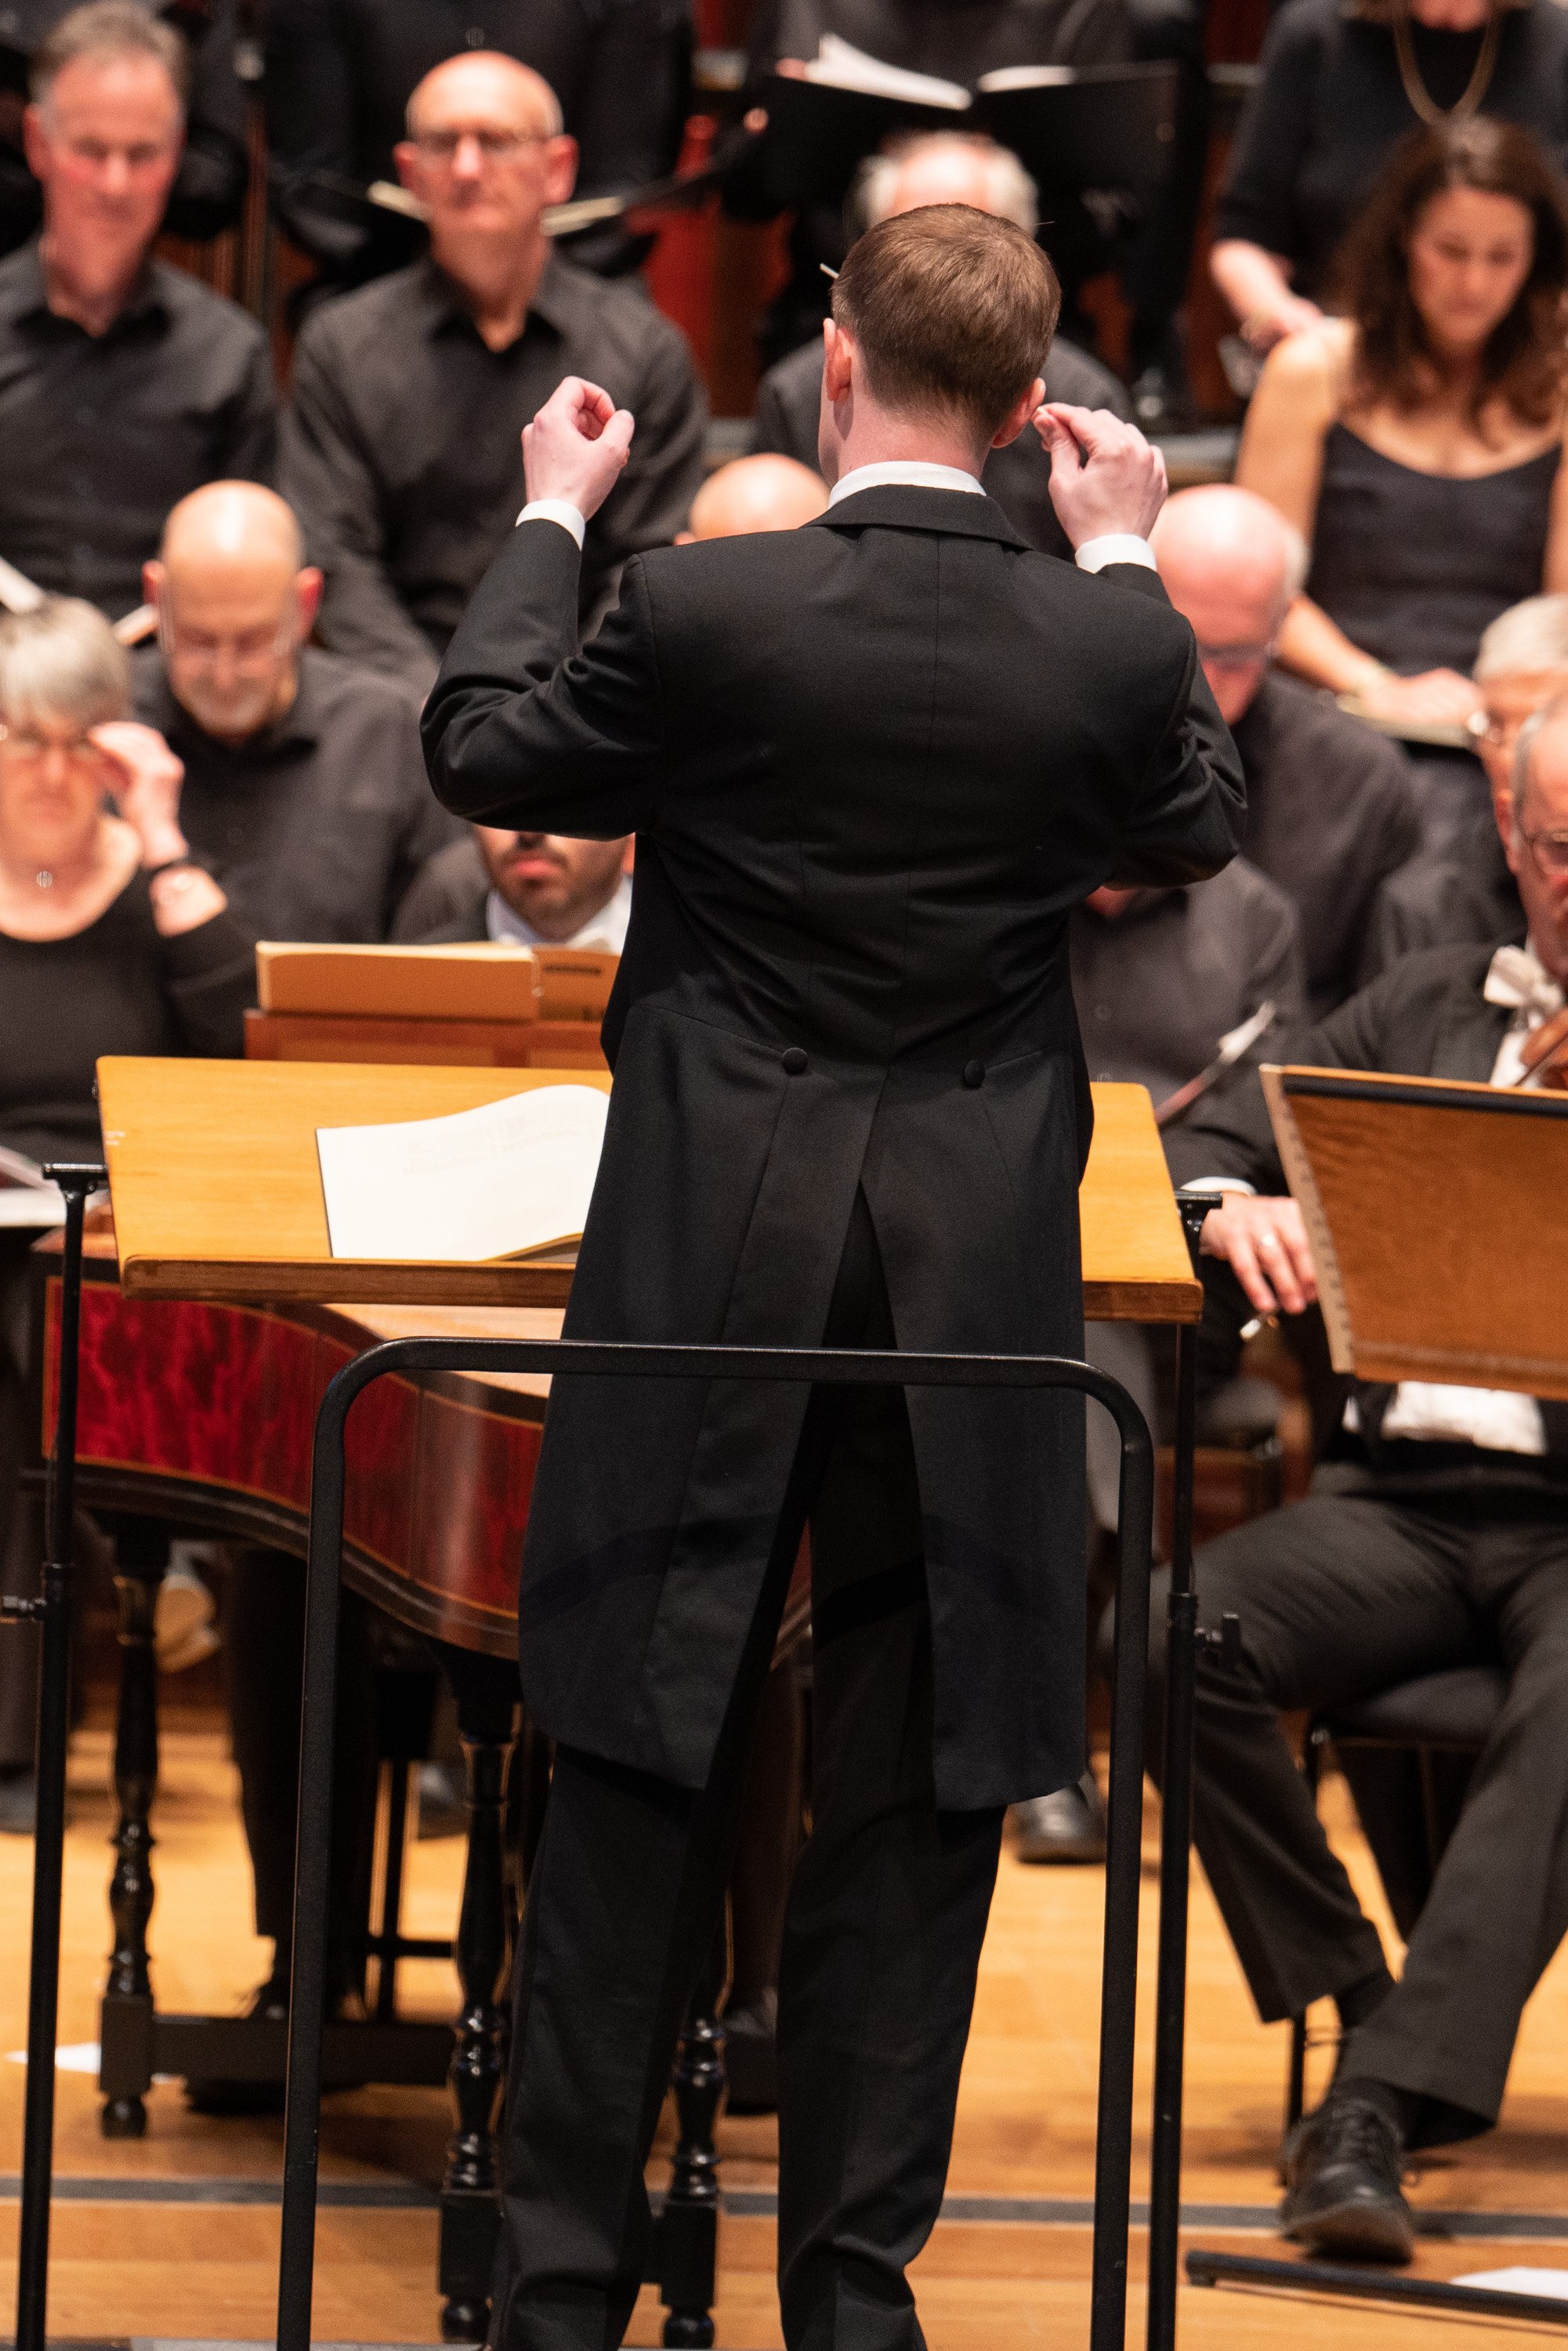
{"x":840,"y":66}
{"x":1553,"y":2283}
{"x":510,"y":1176}
{"x":1027,"y":77}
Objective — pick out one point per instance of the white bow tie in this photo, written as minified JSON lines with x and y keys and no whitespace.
{"x":1517,"y":980}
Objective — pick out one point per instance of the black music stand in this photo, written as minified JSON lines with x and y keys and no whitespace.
{"x":51,"y":1611}
{"x":1119,"y":1967}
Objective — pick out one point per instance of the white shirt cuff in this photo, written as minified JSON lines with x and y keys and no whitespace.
{"x":561,"y":511}
{"x":1116,"y":547}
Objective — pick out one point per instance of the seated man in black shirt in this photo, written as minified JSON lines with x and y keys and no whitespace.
{"x":1331,"y":813}
{"x":209,"y":187}
{"x":1438,"y":902}
{"x":1435,"y":1535}
{"x":339,"y":76}
{"x":948,"y":167}
{"x":123,"y":383}
{"x":402,"y":451}
{"x":304,"y":788}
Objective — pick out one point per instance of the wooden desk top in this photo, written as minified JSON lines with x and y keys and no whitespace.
{"x":218,"y":1189}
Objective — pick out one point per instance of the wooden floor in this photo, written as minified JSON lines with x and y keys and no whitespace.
{"x":179,"y":2267}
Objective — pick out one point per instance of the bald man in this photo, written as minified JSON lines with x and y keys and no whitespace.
{"x":751,"y":493}
{"x":304,"y":791}
{"x":1331,"y":811}
{"x":402,"y":450}
{"x":949,"y":167}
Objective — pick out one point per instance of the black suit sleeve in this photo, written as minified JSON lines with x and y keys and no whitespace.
{"x":1190,"y":816}
{"x":523,"y":730}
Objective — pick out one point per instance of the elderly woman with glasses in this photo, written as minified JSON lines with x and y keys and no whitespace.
{"x":113,"y":940}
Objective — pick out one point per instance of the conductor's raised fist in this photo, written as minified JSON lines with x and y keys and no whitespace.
{"x":1105,"y":476}
{"x":576,"y":445}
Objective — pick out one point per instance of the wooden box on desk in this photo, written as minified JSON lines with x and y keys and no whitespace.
{"x":471,"y":1005}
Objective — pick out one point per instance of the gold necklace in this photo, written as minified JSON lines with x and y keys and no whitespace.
{"x":1421,"y":99}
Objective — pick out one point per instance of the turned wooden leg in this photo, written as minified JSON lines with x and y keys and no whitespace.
{"x":688,"y":2228}
{"x":470,"y":2192}
{"x":125,"y":2029}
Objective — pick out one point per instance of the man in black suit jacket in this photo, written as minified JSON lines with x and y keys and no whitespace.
{"x":948,"y":167}
{"x":1435,"y":1535}
{"x":872,"y":764}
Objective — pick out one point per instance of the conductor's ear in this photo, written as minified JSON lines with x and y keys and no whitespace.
{"x":1018,"y":415}
{"x":840,"y":361}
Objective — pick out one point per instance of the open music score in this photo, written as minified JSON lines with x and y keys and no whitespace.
{"x":216,"y":1187}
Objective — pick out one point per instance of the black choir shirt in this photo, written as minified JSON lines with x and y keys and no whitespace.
{"x":789,"y":401}
{"x":101,"y":435}
{"x":402,"y":452}
{"x":316,"y":825}
{"x":1329,"y":106}
{"x":208,"y":194}
{"x":340,"y":74}
{"x":1158,"y":985}
{"x":118,"y":986}
{"x":1331,"y":818}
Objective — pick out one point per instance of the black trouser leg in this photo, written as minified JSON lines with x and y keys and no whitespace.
{"x":264,"y":1649}
{"x":1499,"y":1905}
{"x":885,"y":1920}
{"x":1339,"y":1596}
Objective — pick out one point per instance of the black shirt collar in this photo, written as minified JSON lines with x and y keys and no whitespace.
{"x":558,"y":300}
{"x":29,"y":301}
{"x":299,"y":729}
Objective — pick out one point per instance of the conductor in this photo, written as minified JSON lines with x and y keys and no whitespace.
{"x":871,"y":765}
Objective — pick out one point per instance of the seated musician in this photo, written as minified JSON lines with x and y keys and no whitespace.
{"x":1436,"y":1532}
{"x":1160,"y":978}
{"x":305,"y":787}
{"x":400,"y":448}
{"x":946,"y":168}
{"x":123,"y":383}
{"x":113,"y":940}
{"x":1331,"y":808}
{"x":1470,"y":898}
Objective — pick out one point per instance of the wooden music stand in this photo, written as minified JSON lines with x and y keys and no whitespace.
{"x":217,"y":1193}
{"x":1416,"y":1193}
{"x":471,"y":1004}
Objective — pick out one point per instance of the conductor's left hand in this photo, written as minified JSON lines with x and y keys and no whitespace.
{"x":576,"y":446}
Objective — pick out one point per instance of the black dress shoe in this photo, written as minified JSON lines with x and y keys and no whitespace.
{"x":18,"y":1802}
{"x":1067,"y":1826}
{"x":238,"y":2095}
{"x":1343,"y":2169}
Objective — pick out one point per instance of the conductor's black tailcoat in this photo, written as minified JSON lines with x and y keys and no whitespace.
{"x":871,"y":765}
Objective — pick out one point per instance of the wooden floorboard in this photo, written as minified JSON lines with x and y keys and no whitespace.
{"x":182,"y":2268}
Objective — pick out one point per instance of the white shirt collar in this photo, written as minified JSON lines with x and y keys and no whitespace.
{"x":605,"y":931}
{"x":903,"y":474}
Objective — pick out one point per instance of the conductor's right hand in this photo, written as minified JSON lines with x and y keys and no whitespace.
{"x":1265,"y":1244}
{"x":576,"y":446}
{"x":1105,"y":476}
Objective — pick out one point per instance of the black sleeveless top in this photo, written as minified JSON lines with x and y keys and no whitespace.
{"x":1414,"y":566}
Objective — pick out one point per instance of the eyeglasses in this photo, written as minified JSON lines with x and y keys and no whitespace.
{"x":1235,"y":656}
{"x":22,"y":743}
{"x":494,"y":146}
{"x":1549,"y":851}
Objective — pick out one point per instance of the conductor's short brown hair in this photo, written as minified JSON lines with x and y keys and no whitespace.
{"x":953,"y":309}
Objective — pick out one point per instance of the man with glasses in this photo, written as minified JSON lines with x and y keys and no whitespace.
{"x":123,"y":383}
{"x":1469,"y":896}
{"x":305,"y":789}
{"x":402,"y":448}
{"x":1331,"y":810}
{"x":1435,"y":1534}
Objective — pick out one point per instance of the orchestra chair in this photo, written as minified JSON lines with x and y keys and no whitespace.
{"x":1420,"y":1739}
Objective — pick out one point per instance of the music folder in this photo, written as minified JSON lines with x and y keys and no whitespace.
{"x":1070,"y":127}
{"x":1436,"y":1212}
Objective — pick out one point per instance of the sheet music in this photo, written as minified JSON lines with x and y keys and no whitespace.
{"x":1027,"y":77}
{"x":508,"y":1180}
{"x":840,"y":66}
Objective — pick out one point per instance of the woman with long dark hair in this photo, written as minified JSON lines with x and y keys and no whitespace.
{"x":1417,"y":440}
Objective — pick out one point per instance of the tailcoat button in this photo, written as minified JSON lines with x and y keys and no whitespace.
{"x":792,"y":1061}
{"x":974,"y":1074}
